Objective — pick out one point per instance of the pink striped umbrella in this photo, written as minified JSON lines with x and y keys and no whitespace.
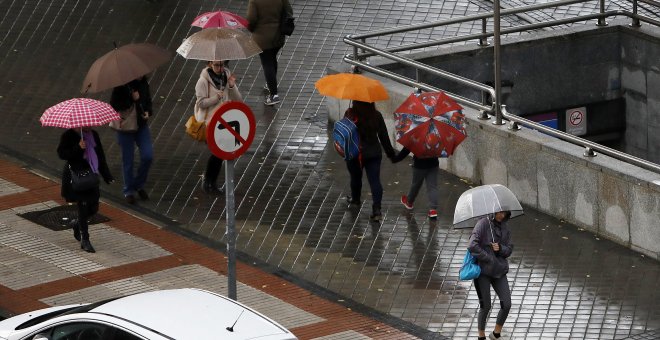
{"x":79,"y":112}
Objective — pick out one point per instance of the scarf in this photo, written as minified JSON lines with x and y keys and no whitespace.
{"x":90,"y":152}
{"x":219,"y":80}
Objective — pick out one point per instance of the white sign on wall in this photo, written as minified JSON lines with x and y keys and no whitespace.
{"x":576,"y":121}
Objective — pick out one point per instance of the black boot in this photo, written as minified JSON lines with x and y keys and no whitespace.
{"x":76,"y":229}
{"x":376,"y":214}
{"x":87,"y":246}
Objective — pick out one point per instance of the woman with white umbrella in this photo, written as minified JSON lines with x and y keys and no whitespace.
{"x":215,"y":85}
{"x":490,"y":243}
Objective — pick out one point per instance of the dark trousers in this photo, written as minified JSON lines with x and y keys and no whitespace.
{"x":372,"y":168}
{"x":86,"y":209}
{"x":269,"y":64}
{"x":501,"y":286}
{"x":213,"y":166}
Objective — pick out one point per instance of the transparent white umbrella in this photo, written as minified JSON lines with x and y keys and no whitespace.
{"x":483,"y":200}
{"x":219,"y":44}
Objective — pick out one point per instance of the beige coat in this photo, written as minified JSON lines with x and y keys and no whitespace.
{"x":264,"y":19}
{"x":207,"y":96}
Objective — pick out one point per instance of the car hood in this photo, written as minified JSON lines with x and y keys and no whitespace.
{"x":8,"y":326}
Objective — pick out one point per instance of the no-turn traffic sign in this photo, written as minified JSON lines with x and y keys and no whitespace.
{"x":231,"y":130}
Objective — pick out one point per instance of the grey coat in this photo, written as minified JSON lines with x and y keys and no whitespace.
{"x":492,"y":264}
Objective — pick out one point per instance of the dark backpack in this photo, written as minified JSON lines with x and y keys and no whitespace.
{"x":347,"y":140}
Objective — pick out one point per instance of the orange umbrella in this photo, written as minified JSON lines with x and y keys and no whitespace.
{"x":351,"y":86}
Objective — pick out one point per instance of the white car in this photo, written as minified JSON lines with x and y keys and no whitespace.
{"x":180,"y":314}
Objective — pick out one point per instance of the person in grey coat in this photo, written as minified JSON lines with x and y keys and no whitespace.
{"x":264,"y":18}
{"x":490,"y":243}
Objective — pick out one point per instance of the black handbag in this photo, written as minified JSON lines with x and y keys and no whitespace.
{"x":286,"y":23}
{"x":83,"y":180}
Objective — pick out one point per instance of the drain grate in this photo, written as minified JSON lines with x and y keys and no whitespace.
{"x":57,"y":218}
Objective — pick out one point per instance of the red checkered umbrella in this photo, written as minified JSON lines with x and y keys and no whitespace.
{"x":79,"y":112}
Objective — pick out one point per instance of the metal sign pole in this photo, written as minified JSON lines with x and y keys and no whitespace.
{"x":231,"y":230}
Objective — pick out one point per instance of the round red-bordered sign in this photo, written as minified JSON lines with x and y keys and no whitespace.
{"x":231,"y":130}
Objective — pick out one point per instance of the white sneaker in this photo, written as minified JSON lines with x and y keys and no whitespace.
{"x":272,"y":100}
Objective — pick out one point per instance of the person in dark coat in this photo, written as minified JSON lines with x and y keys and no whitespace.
{"x":123,"y":98}
{"x":490,"y":243}
{"x":424,"y":169}
{"x":264,"y":18}
{"x":82,"y":149}
{"x":373,"y":134}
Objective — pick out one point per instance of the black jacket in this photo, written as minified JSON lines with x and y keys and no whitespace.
{"x":70,"y":151}
{"x":494,"y":264}
{"x":122,"y":98}
{"x":419,"y":163}
{"x":372,"y":138}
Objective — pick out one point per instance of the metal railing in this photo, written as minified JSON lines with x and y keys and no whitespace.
{"x":362,"y":51}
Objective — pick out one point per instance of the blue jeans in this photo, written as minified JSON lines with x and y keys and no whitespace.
{"x":372,"y":168}
{"x":127,"y":142}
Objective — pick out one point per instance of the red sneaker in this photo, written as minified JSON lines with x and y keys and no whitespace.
{"x":404,"y":201}
{"x":433,"y":213}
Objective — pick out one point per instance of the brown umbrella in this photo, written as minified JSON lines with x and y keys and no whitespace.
{"x":123,"y":64}
{"x":219,"y":44}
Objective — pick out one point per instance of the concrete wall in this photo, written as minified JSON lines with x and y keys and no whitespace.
{"x":610,"y":198}
{"x":640,"y":80}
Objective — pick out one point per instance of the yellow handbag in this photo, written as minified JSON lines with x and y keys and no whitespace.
{"x":195,"y":129}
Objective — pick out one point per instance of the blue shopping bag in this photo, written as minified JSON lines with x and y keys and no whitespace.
{"x":470,"y":270}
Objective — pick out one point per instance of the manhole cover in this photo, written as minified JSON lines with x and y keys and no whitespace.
{"x":58,"y":218}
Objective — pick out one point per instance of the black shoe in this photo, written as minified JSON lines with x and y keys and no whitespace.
{"x":353,"y":201}
{"x":143,"y":194}
{"x":272,"y":100}
{"x":130,"y":199}
{"x":376,"y":215}
{"x":211,"y":188}
{"x":87,"y":246}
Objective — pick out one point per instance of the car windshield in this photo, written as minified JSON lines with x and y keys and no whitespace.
{"x":72,"y":310}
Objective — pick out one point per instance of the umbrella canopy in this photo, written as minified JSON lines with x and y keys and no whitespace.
{"x":79,"y":112}
{"x":220,"y":19}
{"x":351,"y":86}
{"x":483,"y":200}
{"x":219,"y":44}
{"x":430,"y":124}
{"x":123,"y":64}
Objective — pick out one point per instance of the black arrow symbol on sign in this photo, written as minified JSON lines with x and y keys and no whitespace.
{"x":234,"y":130}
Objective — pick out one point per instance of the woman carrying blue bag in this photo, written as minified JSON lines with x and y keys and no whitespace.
{"x":490,"y":243}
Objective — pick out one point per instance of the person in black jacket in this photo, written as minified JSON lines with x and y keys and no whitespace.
{"x":373,"y":134}
{"x":424,"y":169}
{"x":490,"y":243}
{"x":136,"y":92}
{"x":82,"y":149}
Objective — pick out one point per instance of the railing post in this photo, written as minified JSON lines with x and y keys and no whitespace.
{"x":498,"y":64}
{"x":354,"y":68}
{"x":483,"y":41}
{"x":601,"y":20}
{"x":635,"y":21}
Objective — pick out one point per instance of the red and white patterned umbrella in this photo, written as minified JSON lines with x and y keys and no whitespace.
{"x":79,"y":112}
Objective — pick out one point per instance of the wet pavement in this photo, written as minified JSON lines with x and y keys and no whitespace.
{"x":290,"y":185}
